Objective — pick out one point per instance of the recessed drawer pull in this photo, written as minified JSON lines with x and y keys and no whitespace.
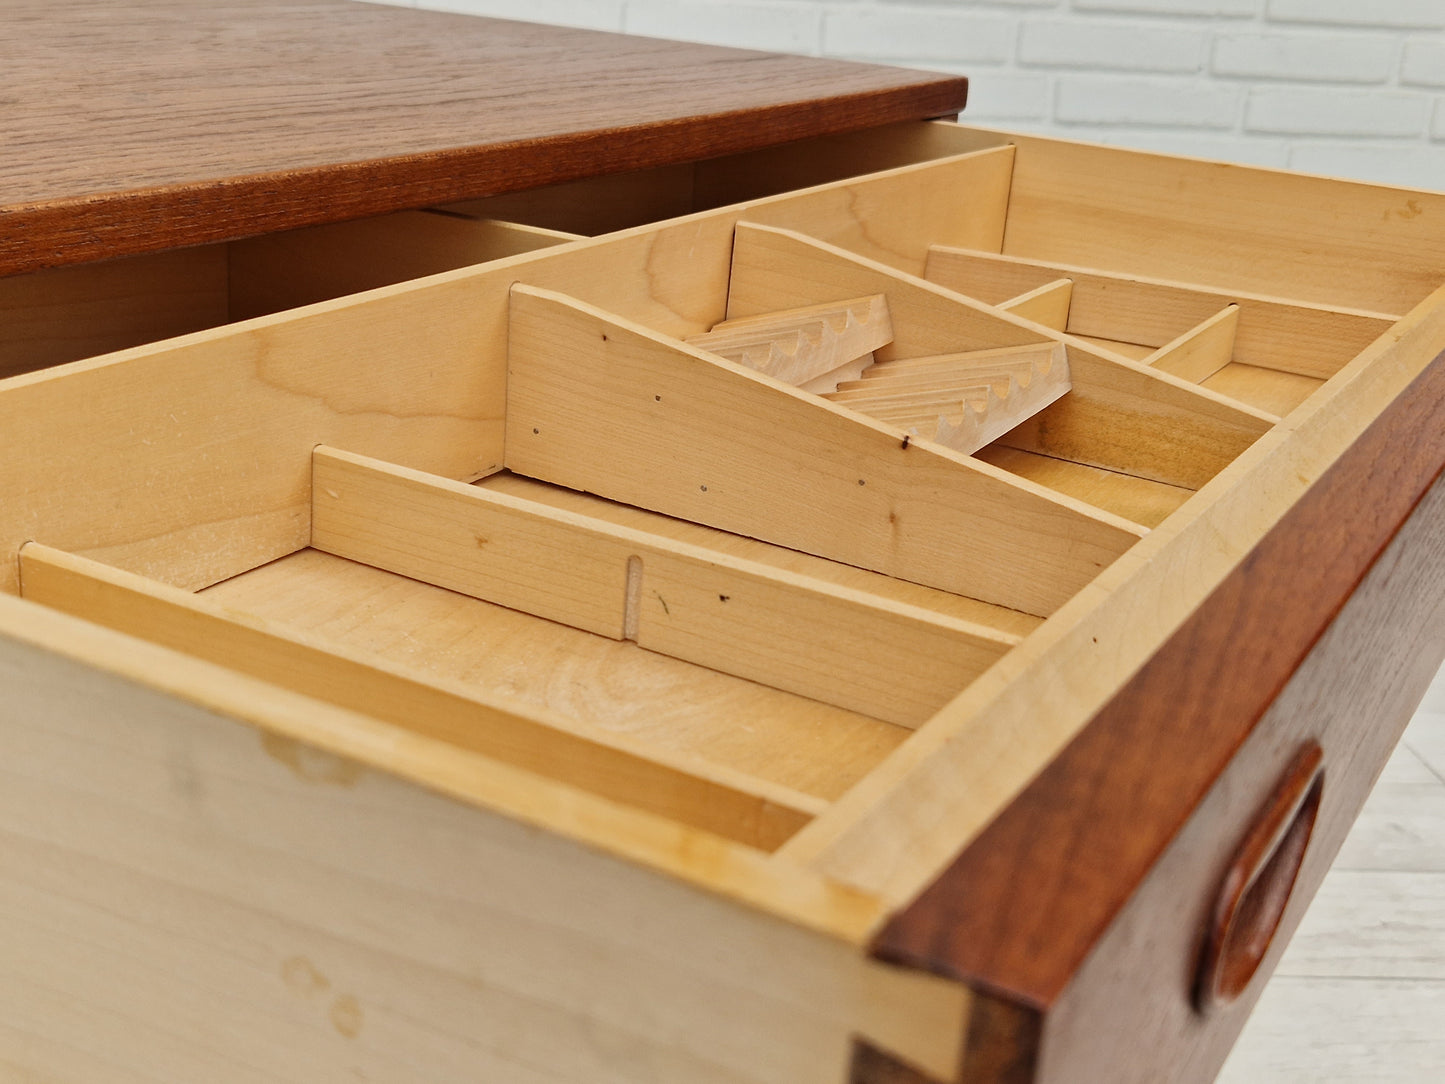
{"x":1259,"y":881}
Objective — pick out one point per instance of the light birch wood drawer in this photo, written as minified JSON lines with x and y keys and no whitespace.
{"x":472,"y":679}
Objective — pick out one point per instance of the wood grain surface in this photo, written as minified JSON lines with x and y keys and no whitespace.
{"x":1021,"y":909}
{"x":161,"y":123}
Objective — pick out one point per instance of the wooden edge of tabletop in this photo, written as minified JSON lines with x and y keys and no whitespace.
{"x":1021,"y":907}
{"x":132,"y":222}
{"x":496,"y":112}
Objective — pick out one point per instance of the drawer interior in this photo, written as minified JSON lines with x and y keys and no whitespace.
{"x":67,"y":313}
{"x":63,"y":314}
{"x":533,"y":509}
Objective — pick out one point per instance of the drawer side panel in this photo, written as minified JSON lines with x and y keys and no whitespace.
{"x":1084,"y":834}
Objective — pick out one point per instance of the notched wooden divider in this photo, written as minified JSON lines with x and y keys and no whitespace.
{"x":601,"y":404}
{"x":1120,"y":416}
{"x":1273,"y":333}
{"x":724,"y":802}
{"x":812,"y":348}
{"x":892,"y":661}
{"x":962,"y":401}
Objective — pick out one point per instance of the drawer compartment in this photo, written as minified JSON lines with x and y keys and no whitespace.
{"x":589,"y":658}
{"x":65,"y":313}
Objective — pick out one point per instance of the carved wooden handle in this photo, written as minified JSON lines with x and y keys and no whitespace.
{"x":1257,"y":884}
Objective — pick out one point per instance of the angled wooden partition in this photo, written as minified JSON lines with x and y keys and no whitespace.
{"x":895,"y":662}
{"x":598,"y":403}
{"x":1047,"y":304}
{"x":1273,"y":333}
{"x":728,"y":803}
{"x":1200,"y":352}
{"x":1119,"y":415}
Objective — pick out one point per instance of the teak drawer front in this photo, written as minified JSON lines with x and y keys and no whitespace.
{"x":578,"y":703}
{"x":1085,"y":979}
{"x":1130,"y":1013}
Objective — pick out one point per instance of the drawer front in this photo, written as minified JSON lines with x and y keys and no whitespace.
{"x":1133,"y":1012}
{"x":1079,"y":915}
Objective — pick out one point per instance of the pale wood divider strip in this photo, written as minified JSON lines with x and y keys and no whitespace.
{"x":600,"y":404}
{"x":1119,"y":415}
{"x":1321,"y":240}
{"x":724,"y":802}
{"x":1047,"y":304}
{"x":1274,"y":333}
{"x":1201,"y":351}
{"x":887,"y":659}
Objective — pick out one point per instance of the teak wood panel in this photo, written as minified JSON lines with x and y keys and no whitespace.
{"x":1128,"y":1012}
{"x":293,"y":268}
{"x":1354,"y":693}
{"x":223,"y":123}
{"x":56,"y":316}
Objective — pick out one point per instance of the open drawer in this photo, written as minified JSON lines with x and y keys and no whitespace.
{"x":929,"y":626}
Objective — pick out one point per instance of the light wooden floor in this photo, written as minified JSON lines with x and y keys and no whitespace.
{"x":1360,"y":993}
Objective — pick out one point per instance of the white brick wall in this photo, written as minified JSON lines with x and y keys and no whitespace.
{"x":1354,"y":88}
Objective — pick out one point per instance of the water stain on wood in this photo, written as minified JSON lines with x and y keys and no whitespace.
{"x":346,"y":1016}
{"x":301,"y":976}
{"x":311,"y":764}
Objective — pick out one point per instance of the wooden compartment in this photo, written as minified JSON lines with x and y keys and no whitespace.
{"x":483,"y":677}
{"x":66,"y":313}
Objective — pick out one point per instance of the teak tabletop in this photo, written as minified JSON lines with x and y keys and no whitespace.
{"x":161,"y":123}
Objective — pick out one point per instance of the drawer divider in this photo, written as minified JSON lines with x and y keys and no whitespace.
{"x":720,"y":800}
{"x":887,"y":659}
{"x":1119,"y":415}
{"x":1274,"y":333}
{"x":1201,"y":351}
{"x":601,"y":404}
{"x":1047,"y":304}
